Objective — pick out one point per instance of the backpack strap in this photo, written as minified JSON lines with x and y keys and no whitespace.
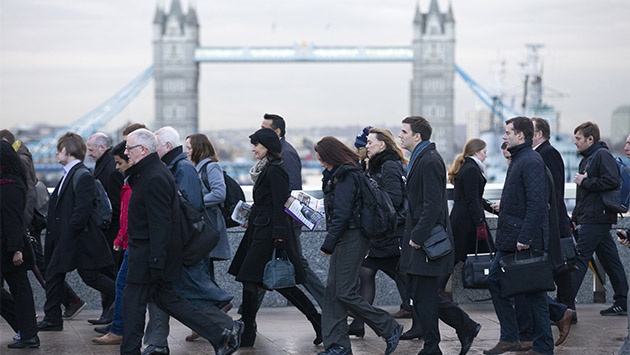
{"x":204,"y":175}
{"x":75,"y":179}
{"x":591,"y":157}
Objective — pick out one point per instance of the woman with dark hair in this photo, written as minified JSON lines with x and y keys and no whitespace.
{"x":268,"y":228}
{"x":467,"y":216}
{"x":113,"y":333}
{"x":347,"y":247}
{"x":385,"y":166}
{"x":17,"y":256}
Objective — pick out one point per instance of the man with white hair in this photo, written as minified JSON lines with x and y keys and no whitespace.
{"x":155,"y":252}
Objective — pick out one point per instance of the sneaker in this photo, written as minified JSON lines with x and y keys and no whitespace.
{"x":154,"y":350}
{"x":17,"y":336}
{"x":392,"y":340}
{"x":614,"y":311}
{"x":336,"y":350}
{"x":74,"y":309}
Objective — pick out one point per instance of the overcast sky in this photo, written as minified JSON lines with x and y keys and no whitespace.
{"x":59,"y":59}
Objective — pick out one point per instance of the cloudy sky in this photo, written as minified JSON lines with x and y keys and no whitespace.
{"x":59,"y":59}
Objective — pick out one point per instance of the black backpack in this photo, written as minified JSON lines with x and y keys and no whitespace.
{"x":376,"y":215}
{"x":233,"y":194}
{"x":102,"y":212}
{"x":199,"y":235}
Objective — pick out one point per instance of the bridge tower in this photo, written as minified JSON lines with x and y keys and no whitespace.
{"x":432,"y":86}
{"x":176,"y":74}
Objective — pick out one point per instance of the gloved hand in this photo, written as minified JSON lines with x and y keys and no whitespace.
{"x":482,"y":232}
{"x":157,"y":275}
{"x":279,"y":243}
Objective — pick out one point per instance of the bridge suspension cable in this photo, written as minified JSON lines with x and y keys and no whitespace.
{"x":92,"y":121}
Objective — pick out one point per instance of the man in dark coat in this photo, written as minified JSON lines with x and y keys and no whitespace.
{"x":99,"y":148}
{"x":523,"y":224}
{"x":155,"y":252}
{"x":598,"y":173}
{"x":293,"y":165}
{"x":73,"y":240}
{"x":426,"y":194}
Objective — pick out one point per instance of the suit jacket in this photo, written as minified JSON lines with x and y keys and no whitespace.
{"x":112,"y":180}
{"x":154,"y":240}
{"x":73,"y":240}
{"x":553,"y":161}
{"x":267,"y":222}
{"x":468,"y":209}
{"x":426,"y":195}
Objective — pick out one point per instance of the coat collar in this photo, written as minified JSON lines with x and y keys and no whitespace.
{"x":517,"y":149}
{"x":412,"y":168}
{"x":68,"y":180}
{"x":103,"y":161}
{"x":134,"y":171}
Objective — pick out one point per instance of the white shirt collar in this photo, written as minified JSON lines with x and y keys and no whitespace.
{"x":70,"y":165}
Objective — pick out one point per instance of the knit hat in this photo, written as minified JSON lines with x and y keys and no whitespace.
{"x":268,"y":138}
{"x":361,"y":140}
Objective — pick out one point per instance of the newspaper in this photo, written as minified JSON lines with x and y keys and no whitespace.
{"x":241,"y":212}
{"x":310,"y":201}
{"x":302,"y":212}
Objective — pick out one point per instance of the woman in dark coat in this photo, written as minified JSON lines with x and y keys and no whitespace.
{"x":17,"y":256}
{"x":347,"y":246}
{"x":268,"y":229}
{"x":467,"y":216}
{"x":385,"y":166}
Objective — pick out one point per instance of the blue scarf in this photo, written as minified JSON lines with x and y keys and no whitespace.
{"x":416,"y":151}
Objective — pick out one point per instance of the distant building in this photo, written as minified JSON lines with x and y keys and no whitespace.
{"x":432,"y":86}
{"x":619,"y":127}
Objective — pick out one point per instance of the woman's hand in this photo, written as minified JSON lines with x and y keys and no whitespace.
{"x":495,"y":206}
{"x":622,"y":237}
{"x":325,"y":255}
{"x":18,"y":258}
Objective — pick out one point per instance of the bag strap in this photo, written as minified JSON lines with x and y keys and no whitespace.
{"x":591,"y":157}
{"x":487,"y":243}
{"x":204,"y":175}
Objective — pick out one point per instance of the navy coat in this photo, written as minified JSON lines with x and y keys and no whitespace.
{"x":426,"y":196}
{"x":73,"y":240}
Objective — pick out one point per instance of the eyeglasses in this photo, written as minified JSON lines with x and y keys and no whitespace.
{"x":133,"y":146}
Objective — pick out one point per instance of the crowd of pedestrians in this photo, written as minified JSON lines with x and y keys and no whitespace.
{"x":135,"y":257}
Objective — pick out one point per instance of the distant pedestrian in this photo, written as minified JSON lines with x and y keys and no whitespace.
{"x":346,"y":246}
{"x":624,"y":238}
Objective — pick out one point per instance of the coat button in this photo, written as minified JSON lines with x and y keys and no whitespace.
{"x":57,"y":218}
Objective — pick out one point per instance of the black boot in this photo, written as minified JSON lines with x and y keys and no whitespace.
{"x":316,"y":322}
{"x":416,"y":329}
{"x":248,"y":338}
{"x":301,"y":302}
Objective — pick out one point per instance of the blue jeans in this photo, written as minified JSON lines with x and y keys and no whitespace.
{"x":121,"y":281}
{"x":543,"y":339}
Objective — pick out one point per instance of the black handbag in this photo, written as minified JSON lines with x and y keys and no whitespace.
{"x":279,"y":272}
{"x":477,"y":268}
{"x":527,"y":271}
{"x":569,"y":256}
{"x":438,"y":244}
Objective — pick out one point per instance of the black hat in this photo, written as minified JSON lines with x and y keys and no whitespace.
{"x":268,"y":138}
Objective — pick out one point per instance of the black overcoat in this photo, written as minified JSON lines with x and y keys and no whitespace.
{"x":267,"y":221}
{"x":112,"y":180}
{"x":468,"y":210}
{"x":553,"y":161}
{"x":73,"y":240}
{"x":427,"y":207}
{"x":154,"y":234}
{"x":12,"y":232}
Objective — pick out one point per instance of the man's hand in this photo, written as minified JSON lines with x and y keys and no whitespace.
{"x":579,"y":177}
{"x":414,"y":245}
{"x":520,"y":246}
{"x":495,"y":206}
{"x":18,"y":258}
{"x":325,"y":255}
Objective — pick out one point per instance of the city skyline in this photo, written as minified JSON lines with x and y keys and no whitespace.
{"x":59,"y":61}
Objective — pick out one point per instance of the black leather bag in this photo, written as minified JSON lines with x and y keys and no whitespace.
{"x":569,"y":256}
{"x":526,"y":271}
{"x":438,"y":244}
{"x":477,"y":268}
{"x":279,"y":272}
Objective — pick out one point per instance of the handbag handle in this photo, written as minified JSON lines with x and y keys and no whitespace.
{"x":487,"y":243}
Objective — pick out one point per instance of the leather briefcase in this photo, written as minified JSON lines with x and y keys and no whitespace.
{"x":526,"y":271}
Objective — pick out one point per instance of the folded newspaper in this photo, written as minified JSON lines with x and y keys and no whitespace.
{"x":241,"y":212}
{"x":310,"y":201}
{"x":303,"y":212}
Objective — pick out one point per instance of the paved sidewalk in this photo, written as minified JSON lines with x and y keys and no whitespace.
{"x":284,"y":330}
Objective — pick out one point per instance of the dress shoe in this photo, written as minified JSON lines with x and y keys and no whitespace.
{"x":45,"y":326}
{"x":411,"y":334}
{"x":25,"y":343}
{"x":392,"y":340}
{"x":402,"y":313}
{"x":104,"y":329}
{"x":316,"y":322}
{"x":108,"y":339}
{"x":467,"y":340}
{"x":101,"y":321}
{"x":564,"y":325}
{"x":504,"y":346}
{"x":248,"y":337}
{"x":193,"y":336}
{"x":74,"y":309}
{"x":526,"y":345}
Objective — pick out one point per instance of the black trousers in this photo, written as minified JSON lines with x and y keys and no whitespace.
{"x":135,"y":299}
{"x":68,"y":296}
{"x":24,"y":306}
{"x":55,"y":290}
{"x":430,"y":307}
